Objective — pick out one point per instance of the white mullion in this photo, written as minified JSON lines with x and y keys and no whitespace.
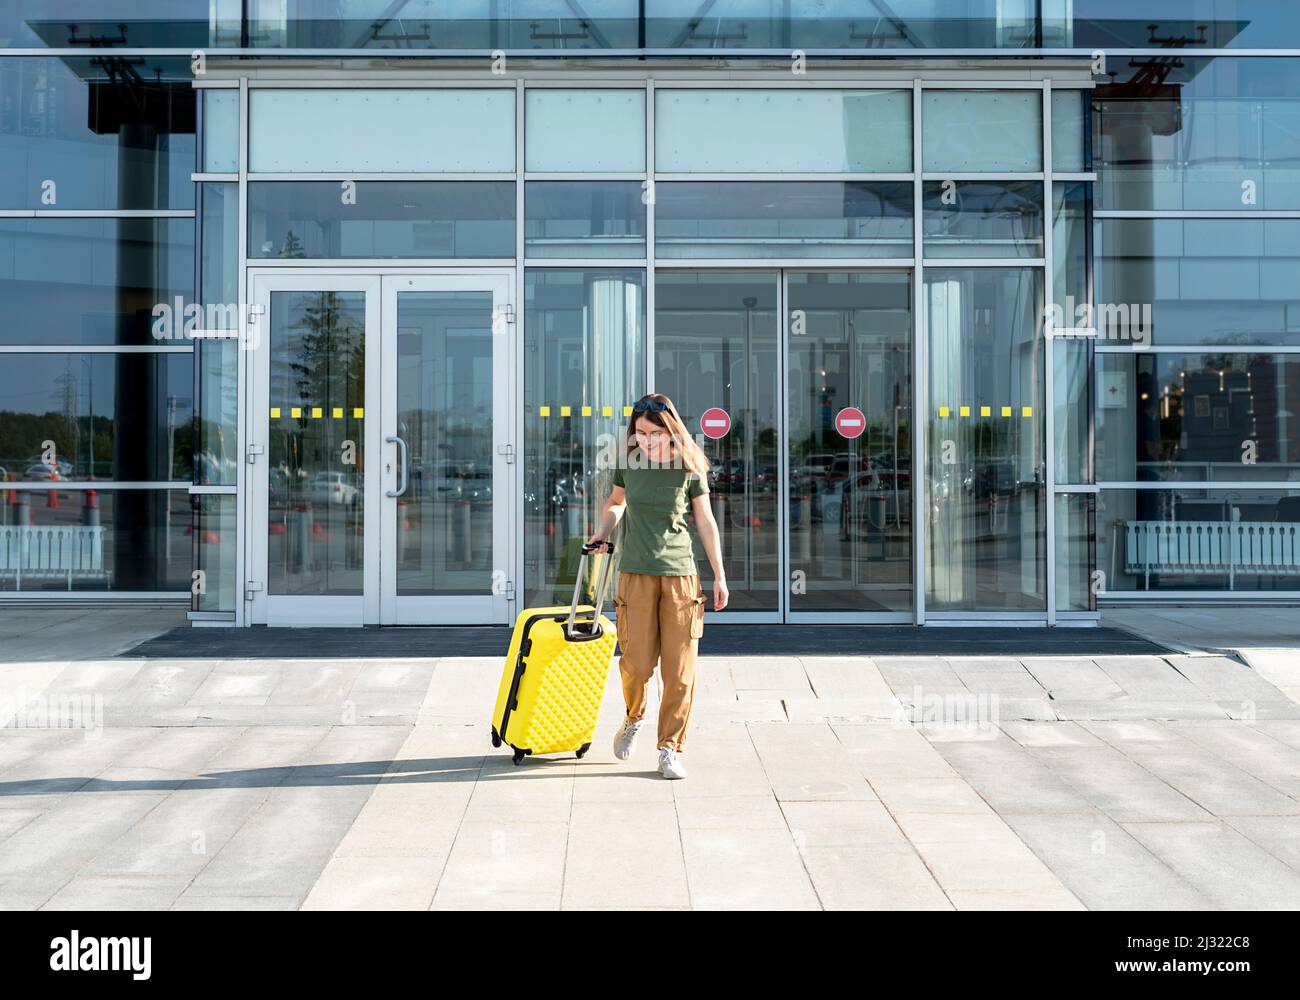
{"x":650,"y":261}
{"x":1176,"y":214}
{"x":1049,"y":359}
{"x":371,"y":176}
{"x":516,"y":357}
{"x":1104,"y":348}
{"x":920,"y":375}
{"x":96,"y":349}
{"x":97,"y":213}
{"x":243,"y":369}
{"x":783,"y":444}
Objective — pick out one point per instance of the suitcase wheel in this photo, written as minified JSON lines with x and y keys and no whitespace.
{"x":582,"y":750}
{"x":496,"y":740}
{"x":519,"y":757}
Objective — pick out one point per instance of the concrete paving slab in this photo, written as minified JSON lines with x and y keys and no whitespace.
{"x":841,"y":823}
{"x":1222,"y":864}
{"x":118,"y":892}
{"x":738,"y":868}
{"x":624,"y":854}
{"x":375,"y":883}
{"x":1103,"y":865}
{"x":876,"y":877}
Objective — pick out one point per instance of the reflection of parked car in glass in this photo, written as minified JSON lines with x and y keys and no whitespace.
{"x":731,"y":476}
{"x":333,"y":487}
{"x":819,"y":465}
{"x":992,"y":476}
{"x":766,"y":479}
{"x":445,"y":479}
{"x":888,"y":461}
{"x":879,"y":499}
{"x":41,"y":470}
{"x":566,"y":480}
{"x":476,"y":484}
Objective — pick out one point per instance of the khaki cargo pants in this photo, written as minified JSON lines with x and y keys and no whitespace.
{"x":660,"y":618}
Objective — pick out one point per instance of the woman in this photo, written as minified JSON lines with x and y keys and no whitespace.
{"x":660,"y":474}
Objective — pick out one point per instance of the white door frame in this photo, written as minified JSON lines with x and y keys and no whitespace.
{"x":286,"y":610}
{"x":379,"y":603}
{"x":495,"y":606}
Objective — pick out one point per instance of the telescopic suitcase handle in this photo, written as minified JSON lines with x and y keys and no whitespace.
{"x":605,"y":573}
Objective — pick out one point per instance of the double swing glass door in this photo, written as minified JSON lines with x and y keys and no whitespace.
{"x":381,"y":449}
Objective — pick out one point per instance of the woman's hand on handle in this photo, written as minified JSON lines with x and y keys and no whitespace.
{"x":610,"y":515}
{"x":721,"y":595}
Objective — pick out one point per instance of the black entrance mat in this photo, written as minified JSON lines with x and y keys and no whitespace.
{"x":719,"y":640}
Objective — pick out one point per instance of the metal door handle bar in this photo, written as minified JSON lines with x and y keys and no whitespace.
{"x":401,"y":448}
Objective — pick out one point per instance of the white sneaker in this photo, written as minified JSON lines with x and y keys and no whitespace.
{"x":625,"y":738}
{"x":670,"y":763}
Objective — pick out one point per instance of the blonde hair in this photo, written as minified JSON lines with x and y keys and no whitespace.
{"x":688,"y":449}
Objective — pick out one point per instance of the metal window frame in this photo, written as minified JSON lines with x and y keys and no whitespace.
{"x":1009,"y":55}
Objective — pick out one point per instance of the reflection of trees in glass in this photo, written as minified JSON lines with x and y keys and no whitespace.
{"x":292,"y":246}
{"x":326,"y":369}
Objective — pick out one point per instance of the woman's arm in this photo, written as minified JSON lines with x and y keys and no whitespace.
{"x":610,"y":515}
{"x":711,"y":538}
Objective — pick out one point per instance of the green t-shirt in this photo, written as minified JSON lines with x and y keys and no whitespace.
{"x":655,"y":536}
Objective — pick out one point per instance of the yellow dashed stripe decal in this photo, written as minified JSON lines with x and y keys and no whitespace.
{"x":985,"y":411}
{"x":583,"y":410}
{"x":316,"y":412}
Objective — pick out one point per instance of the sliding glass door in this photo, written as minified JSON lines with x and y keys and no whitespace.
{"x":849,"y":464}
{"x":799,"y":386}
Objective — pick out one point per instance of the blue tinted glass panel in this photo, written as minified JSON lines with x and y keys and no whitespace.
{"x":72,"y":137}
{"x":1198,"y":281}
{"x":1216,"y":24}
{"x":983,"y":219}
{"x":733,"y":219}
{"x":134,"y":23}
{"x":96,"y":540}
{"x":1075,"y":513}
{"x":1072,"y":360}
{"x":391,"y":219}
{"x":982,"y":130}
{"x":1203,"y":417}
{"x":584,"y":219}
{"x":1221,"y":134}
{"x":215,"y":517}
{"x":1194,"y":539}
{"x":584,"y":346}
{"x":221,"y":131}
{"x":435,"y":24}
{"x":94,"y":281}
{"x":985,"y":475}
{"x":219,"y":266}
{"x":1070,"y":252}
{"x":1069,"y":118}
{"x":824,"y":131}
{"x":850,"y":24}
{"x":123,"y":417}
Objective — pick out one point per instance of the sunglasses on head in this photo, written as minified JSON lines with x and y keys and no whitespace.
{"x":642,"y":405}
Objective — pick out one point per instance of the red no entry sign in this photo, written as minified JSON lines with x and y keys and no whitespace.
{"x":715,"y":422}
{"x":850,"y":422}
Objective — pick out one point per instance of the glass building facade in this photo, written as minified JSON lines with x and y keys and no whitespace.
{"x":332,"y":312}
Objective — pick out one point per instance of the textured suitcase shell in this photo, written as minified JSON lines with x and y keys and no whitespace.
{"x":552,"y":685}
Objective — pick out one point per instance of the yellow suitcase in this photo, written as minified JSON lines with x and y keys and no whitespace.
{"x":555,"y":671}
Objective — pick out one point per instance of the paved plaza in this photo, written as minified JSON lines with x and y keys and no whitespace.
{"x":816,"y":782}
